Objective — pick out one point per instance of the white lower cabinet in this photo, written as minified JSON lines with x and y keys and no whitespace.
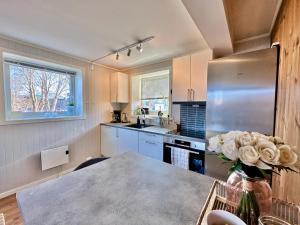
{"x":115,"y":141}
{"x":151,"y":145}
{"x":128,"y":140}
{"x":109,"y":141}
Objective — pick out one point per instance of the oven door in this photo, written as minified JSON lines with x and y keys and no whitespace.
{"x":196,"y":162}
{"x":184,"y":157}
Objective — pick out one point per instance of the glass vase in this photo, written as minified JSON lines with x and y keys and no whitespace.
{"x":248,"y":197}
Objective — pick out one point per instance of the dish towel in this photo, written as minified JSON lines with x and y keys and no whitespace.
{"x":180,"y":158}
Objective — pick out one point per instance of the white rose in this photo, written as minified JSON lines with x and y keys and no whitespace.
{"x":248,"y":155}
{"x":268,"y":152}
{"x":278,"y":140}
{"x":259,"y":136}
{"x":230,"y":150}
{"x":230,"y":136}
{"x":214,"y":144}
{"x":245,"y":138}
{"x":260,"y":164}
{"x":287,"y":156}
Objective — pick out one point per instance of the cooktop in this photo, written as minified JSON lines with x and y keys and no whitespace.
{"x":190,"y":133}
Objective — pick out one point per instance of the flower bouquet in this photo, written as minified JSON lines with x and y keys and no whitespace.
{"x":253,"y":155}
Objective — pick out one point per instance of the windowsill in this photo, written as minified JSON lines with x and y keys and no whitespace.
{"x":42,"y":120}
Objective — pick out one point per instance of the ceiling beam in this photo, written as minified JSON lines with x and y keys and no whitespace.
{"x":210,"y":18}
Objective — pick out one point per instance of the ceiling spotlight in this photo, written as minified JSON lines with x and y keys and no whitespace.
{"x":117,"y":56}
{"x":129,"y":52}
{"x":139,"y":47}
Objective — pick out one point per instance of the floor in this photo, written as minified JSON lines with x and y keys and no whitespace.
{"x":10,"y":209}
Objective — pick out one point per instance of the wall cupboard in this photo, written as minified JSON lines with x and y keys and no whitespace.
{"x":189,"y":80}
{"x":119,"y":87}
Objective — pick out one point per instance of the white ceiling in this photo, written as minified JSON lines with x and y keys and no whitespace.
{"x":91,"y":28}
{"x":210,"y":17}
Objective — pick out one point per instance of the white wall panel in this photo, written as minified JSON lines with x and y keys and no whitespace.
{"x":21,"y":144}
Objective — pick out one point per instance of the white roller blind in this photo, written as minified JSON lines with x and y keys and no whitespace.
{"x":156,"y":87}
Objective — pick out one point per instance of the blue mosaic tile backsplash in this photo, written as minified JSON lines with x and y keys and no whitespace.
{"x":192,"y":118}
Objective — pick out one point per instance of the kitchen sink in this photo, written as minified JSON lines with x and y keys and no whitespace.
{"x":138,"y":126}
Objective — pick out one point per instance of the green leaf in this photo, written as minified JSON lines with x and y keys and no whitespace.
{"x":223,"y":157}
{"x":237,"y":166}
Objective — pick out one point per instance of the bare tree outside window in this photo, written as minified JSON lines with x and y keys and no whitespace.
{"x":35,"y":90}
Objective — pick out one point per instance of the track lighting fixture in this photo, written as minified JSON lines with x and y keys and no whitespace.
{"x":137,"y":45}
{"x":129,"y":52}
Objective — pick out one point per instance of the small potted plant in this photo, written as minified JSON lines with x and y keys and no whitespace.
{"x":71,"y":107}
{"x":253,"y":157}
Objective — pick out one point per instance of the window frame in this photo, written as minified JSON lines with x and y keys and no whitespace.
{"x":144,"y":75}
{"x":76,"y":86}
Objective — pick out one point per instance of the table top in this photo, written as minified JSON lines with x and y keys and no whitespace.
{"x":129,"y":189}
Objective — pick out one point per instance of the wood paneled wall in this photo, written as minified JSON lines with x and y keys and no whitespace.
{"x":20,"y":144}
{"x":287,"y":32}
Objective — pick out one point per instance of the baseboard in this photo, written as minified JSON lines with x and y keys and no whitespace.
{"x":15,"y":190}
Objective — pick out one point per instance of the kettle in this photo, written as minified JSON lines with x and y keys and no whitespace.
{"x":124,"y":118}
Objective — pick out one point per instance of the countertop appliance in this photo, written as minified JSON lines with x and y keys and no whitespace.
{"x":241,"y":95}
{"x":116,"y":116}
{"x":184,"y":153}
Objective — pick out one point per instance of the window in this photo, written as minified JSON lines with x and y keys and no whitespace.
{"x":37,"y":89}
{"x":151,"y":91}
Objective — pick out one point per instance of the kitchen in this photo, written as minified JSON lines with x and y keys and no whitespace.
{"x":152,"y":99}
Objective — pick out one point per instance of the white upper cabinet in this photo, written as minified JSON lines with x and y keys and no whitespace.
{"x":199,"y":65}
{"x":181,"y":81}
{"x":119,"y":87}
{"x":190,"y":77}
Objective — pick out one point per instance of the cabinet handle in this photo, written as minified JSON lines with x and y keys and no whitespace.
{"x":188,"y":94}
{"x":193,"y":92}
{"x":150,"y":142}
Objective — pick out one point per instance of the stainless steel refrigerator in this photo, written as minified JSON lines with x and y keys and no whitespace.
{"x":241,"y":95}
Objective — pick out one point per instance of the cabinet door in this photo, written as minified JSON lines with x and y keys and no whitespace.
{"x":199,"y":64}
{"x":151,"y":145}
{"x":128,"y":140}
{"x":114,"y":87}
{"x":109,"y":141}
{"x":181,"y":78}
{"x":122,"y":88}
{"x":119,"y":87}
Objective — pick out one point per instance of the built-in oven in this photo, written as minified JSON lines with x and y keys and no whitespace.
{"x":185,"y":153}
